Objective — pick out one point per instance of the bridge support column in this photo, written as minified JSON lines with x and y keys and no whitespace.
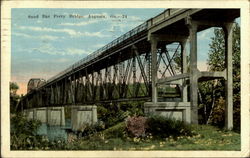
{"x":41,"y":114}
{"x":228,"y":29}
{"x":184,"y":93}
{"x":193,"y":70}
{"x":29,"y":114}
{"x":81,"y":116}
{"x":154,"y":69}
{"x":56,"y":116}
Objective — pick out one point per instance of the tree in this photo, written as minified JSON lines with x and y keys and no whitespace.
{"x":213,"y":92}
{"x":14,"y":98}
{"x":13,"y":88}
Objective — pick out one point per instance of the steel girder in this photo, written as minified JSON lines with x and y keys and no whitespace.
{"x":126,"y":79}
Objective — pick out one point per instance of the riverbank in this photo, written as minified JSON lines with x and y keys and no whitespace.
{"x":204,"y":137}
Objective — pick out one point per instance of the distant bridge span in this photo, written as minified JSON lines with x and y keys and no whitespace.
{"x":132,"y":66}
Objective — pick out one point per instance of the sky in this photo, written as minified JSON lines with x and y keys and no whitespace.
{"x":47,"y":41}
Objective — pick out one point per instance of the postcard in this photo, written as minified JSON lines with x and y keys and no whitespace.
{"x":125,"y":79}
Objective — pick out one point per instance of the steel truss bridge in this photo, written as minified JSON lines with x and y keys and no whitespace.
{"x":132,"y":66}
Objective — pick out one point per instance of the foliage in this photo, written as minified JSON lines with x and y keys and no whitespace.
{"x":14,"y":98}
{"x":23,"y":132}
{"x":117,"y":131}
{"x":136,"y":125}
{"x":110,"y":115}
{"x":206,"y":138}
{"x":21,"y":125}
{"x":178,"y":61}
{"x":89,"y":129}
{"x":24,"y":136}
{"x":218,"y":115}
{"x":164,"y":127}
{"x":113,"y":113}
{"x":116,"y":138}
{"x":13,"y":87}
{"x":132,"y":108}
{"x":213,"y":92}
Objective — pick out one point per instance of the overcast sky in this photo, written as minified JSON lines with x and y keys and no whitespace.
{"x":47,"y":41}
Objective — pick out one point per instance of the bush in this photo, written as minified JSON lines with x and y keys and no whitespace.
{"x":24,"y":136}
{"x":135,"y":108}
{"x":23,"y":133}
{"x":89,"y":129}
{"x":116,"y":131}
{"x":111,"y":114}
{"x":114,"y":113}
{"x":136,"y":125}
{"x":21,"y":125}
{"x":163,"y":127}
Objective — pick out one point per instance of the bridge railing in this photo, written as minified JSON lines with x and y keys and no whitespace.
{"x":98,"y":52}
{"x":162,"y":16}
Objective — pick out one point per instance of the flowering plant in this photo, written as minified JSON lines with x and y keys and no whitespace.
{"x":136,"y":125}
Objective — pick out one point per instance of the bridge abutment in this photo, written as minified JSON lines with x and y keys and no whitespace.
{"x":81,"y":116}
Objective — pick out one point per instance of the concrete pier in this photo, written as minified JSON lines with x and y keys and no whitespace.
{"x":51,"y":115}
{"x":41,"y":114}
{"x":176,"y":110}
{"x":82,"y":116}
{"x":29,"y":113}
{"x":55,"y":116}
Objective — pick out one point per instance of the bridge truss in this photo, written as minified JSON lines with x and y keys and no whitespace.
{"x":126,"y":76}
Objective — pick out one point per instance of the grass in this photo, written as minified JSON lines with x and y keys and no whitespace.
{"x":206,"y":138}
{"x":200,"y":137}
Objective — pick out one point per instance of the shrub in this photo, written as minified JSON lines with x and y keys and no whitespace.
{"x":116,"y":131}
{"x":114,"y":113}
{"x":136,"y":125}
{"x":163,"y":127}
{"x":135,"y":108}
{"x":21,"y":125}
{"x":89,"y":129}
{"x":23,"y":133}
{"x":111,"y":114}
